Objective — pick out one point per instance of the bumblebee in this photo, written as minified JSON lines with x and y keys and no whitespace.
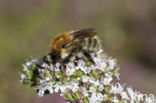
{"x":69,"y":46}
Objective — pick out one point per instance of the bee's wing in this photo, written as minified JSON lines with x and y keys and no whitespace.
{"x":84,"y":33}
{"x":81,"y":35}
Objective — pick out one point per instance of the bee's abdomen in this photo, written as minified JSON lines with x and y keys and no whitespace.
{"x":92,"y":44}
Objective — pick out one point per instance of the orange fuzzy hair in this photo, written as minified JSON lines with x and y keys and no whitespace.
{"x":61,"y":39}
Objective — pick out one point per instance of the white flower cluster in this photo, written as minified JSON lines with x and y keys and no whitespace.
{"x":82,"y":82}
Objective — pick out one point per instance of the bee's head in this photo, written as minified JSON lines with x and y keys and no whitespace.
{"x":54,"y":55}
{"x":59,"y":41}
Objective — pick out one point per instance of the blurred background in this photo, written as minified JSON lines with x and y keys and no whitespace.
{"x":127,"y":29}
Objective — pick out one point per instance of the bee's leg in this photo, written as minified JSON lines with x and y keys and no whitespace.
{"x":98,"y":44}
{"x":67,"y":59}
{"x":47,"y":59}
{"x":72,"y":58}
{"x":88,"y":44}
{"x":94,"y":43}
{"x":76,"y":53}
{"x":79,"y":55}
{"x":88,"y":56}
{"x":55,"y":57}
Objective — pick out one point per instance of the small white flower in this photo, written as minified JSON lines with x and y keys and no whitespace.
{"x":108,"y":74}
{"x":96,"y":98}
{"x":117,"y":75}
{"x":87,"y":69}
{"x":41,"y":71}
{"x":75,"y":87}
{"x":45,"y":65}
{"x":92,"y":90}
{"x":100,"y":51}
{"x":94,"y":81}
{"x":132,"y":101}
{"x":150,"y":99}
{"x":105,"y":96}
{"x":140,"y":97}
{"x":93,"y":55}
{"x":70,"y":71}
{"x":102,"y":65}
{"x":63,"y":88}
{"x":93,"y":98}
{"x":22,"y":77}
{"x":57,"y":87}
{"x":41,"y":92}
{"x":56,"y":69}
{"x":116,"y":89}
{"x":124,"y":95}
{"x":112,"y":63}
{"x":51,"y":67}
{"x":115,"y":100}
{"x":101,"y":88}
{"x":25,"y":68}
{"x":107,"y":80}
{"x":100,"y":97}
{"x":81,"y":64}
{"x":85,"y":78}
{"x":58,"y":65}
{"x":132,"y":94}
{"x":50,"y":89}
{"x":28,"y":64}
{"x":44,"y":87}
{"x":85,"y":92}
{"x":48,"y":78}
{"x":99,"y":61}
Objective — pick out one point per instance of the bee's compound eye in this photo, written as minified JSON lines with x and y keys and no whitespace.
{"x":64,"y":45}
{"x":54,"y":55}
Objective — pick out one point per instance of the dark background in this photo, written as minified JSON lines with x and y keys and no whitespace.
{"x":127,"y":29}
